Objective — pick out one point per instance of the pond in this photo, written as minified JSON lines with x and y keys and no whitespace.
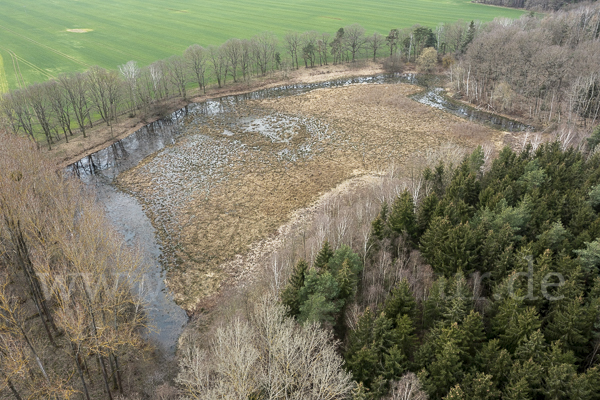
{"x":100,"y":170}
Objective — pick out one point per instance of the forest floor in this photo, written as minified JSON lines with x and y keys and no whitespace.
{"x":234,"y":178}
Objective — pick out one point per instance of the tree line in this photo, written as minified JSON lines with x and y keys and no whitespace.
{"x":77,"y":101}
{"x":70,"y":314}
{"x":513,"y":309}
{"x":538,"y":5}
{"x":544,"y":69}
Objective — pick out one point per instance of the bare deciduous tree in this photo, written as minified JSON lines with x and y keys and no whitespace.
{"x":407,"y":388}
{"x":104,"y":92}
{"x":374,"y":43}
{"x":218,"y":62}
{"x":76,"y":89}
{"x":354,"y":36}
{"x":178,"y":74}
{"x":265,"y":46}
{"x":269,"y":354}
{"x":196,"y":57}
{"x":131,"y":73}
{"x":292,"y":45}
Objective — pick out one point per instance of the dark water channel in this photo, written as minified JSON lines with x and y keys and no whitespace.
{"x":126,"y":213}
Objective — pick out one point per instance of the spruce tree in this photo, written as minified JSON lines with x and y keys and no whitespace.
{"x":290,"y":295}
{"x":571,"y":324}
{"x":470,"y":36}
{"x":404,"y":335}
{"x":323,"y":256}
{"x":480,"y":387}
{"x":362,"y":335}
{"x":517,"y":389}
{"x":425,"y":213}
{"x":346,"y":281}
{"x":435,"y":304}
{"x":520,"y":326}
{"x":402,"y":216}
{"x":395,"y":363}
{"x":400,"y":301}
{"x":379,"y":224}
{"x":472,"y":334}
{"x":494,"y":360}
{"x":456,"y":393}
{"x":363,"y":365}
{"x":445,"y":371}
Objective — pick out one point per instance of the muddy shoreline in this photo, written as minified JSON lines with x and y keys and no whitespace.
{"x":100,"y":138}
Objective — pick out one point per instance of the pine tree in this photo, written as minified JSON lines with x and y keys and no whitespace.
{"x":345,"y":254}
{"x":290,"y":295}
{"x":319,"y":298}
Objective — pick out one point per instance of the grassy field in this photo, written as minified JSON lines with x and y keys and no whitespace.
{"x":35,"y":37}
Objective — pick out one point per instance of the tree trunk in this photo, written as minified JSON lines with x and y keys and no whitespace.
{"x":79,"y":370}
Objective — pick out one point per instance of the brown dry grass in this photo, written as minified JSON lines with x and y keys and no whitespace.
{"x":102,"y":136}
{"x":255,"y":192}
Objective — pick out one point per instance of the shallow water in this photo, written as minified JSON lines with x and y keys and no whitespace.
{"x":101,"y":168}
{"x":129,"y":151}
{"x":437,"y":99}
{"x":127,"y":215}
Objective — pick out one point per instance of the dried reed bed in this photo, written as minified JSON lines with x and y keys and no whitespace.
{"x":239,"y":176}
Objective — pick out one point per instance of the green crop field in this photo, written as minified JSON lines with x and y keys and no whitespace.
{"x":35,"y":38}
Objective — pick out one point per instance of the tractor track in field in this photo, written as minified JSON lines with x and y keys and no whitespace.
{"x":47,"y":47}
{"x":17,"y":67}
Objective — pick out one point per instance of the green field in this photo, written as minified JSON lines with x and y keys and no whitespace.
{"x":34,"y":37}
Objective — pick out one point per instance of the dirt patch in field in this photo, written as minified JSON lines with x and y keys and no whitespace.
{"x":79,"y":30}
{"x":239,"y":175}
